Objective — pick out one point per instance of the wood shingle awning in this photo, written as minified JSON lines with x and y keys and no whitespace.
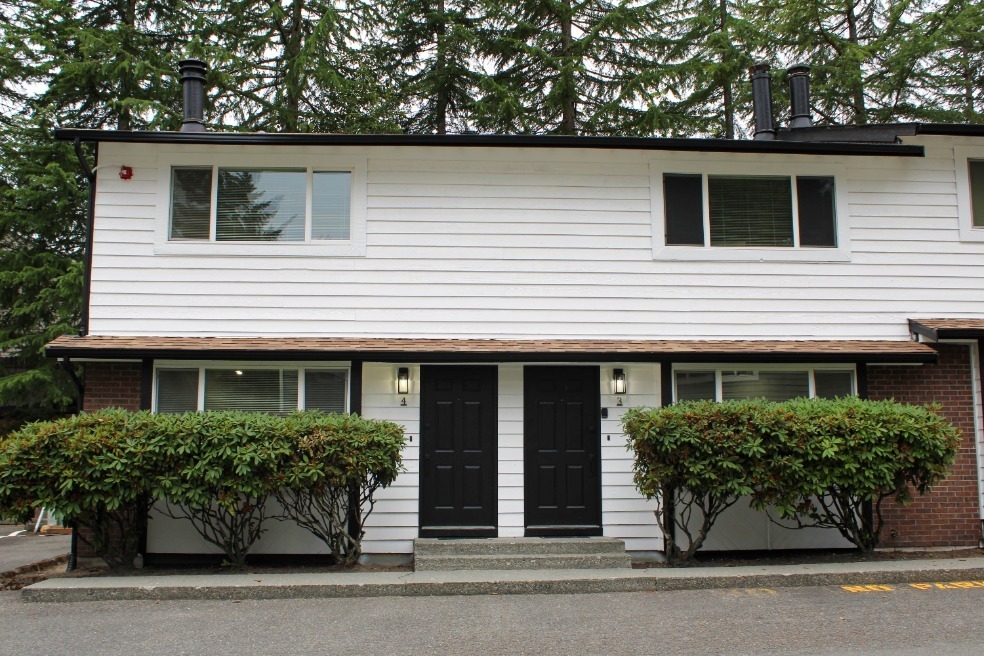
{"x":488,"y":350}
{"x":935,"y":329}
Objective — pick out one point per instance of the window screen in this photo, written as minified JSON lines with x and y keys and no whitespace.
{"x":750,"y":210}
{"x":831,"y":384}
{"x":324,"y":390}
{"x":191,"y":203}
{"x":695,"y":386}
{"x":976,"y":168}
{"x":771,"y":385}
{"x":251,"y":390}
{"x":261,"y":205}
{"x":330,"y":205}
{"x":177,"y":390}
{"x":684,"y":204}
{"x":815,"y":202}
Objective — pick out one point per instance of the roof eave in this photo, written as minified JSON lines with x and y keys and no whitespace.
{"x":489,"y":141}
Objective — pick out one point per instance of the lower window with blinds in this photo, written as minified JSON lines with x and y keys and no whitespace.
{"x":276,"y":390}
{"x":774,"y":385}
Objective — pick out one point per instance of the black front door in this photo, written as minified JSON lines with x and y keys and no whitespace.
{"x":562,"y":450}
{"x":458,"y":439}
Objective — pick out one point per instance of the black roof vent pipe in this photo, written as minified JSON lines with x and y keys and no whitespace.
{"x":193,"y":87}
{"x":799,"y":96}
{"x":762,"y":102}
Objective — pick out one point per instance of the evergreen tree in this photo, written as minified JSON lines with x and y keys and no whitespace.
{"x":573,"y":67}
{"x":952,"y":74}
{"x":297,"y":65}
{"x":41,"y":233}
{"x":857,"y":51}
{"x":434,"y":44}
{"x":712,"y":45}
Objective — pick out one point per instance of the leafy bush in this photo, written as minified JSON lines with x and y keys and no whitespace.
{"x":845,"y":454}
{"x":338,"y":463}
{"x":93,"y":469}
{"x":221,"y":471}
{"x":818,"y":461}
{"x":104,"y":470}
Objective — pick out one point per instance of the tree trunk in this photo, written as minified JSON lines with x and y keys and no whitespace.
{"x":290,"y":119}
{"x":568,"y":120}
{"x":440,"y":69}
{"x":128,"y":23}
{"x":729,"y":101}
{"x":858,"y":108}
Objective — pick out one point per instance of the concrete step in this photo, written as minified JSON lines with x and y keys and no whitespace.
{"x":448,"y":563}
{"x":516,"y":546}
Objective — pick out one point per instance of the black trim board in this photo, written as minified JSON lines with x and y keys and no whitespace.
{"x":491,"y":141}
{"x":937,"y":334}
{"x":424,"y":357}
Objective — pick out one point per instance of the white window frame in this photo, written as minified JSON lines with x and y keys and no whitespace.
{"x":788,"y":169}
{"x":354,"y":246}
{"x":300,"y":367}
{"x":965,"y":207}
{"x":811,"y":369}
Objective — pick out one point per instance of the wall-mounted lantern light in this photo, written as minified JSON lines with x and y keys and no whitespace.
{"x":618,"y":378}
{"x":403,"y":381}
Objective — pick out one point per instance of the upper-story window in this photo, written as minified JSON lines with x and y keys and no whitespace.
{"x":744,"y":211}
{"x":259,"y":204}
{"x":268,"y":204}
{"x":749,"y":210}
{"x":969,"y":171}
{"x":975,"y":170}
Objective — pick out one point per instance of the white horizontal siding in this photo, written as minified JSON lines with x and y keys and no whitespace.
{"x":540,"y":242}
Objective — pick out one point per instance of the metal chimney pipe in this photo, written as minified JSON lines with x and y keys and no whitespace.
{"x":799,"y":96}
{"x":762,"y":102}
{"x":193,"y":88}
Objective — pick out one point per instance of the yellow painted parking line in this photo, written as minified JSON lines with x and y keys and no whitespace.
{"x":951,"y":585}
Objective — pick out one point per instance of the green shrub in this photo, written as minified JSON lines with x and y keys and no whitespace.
{"x":94,"y":469}
{"x":222,"y":469}
{"x":847,"y":455}
{"x":338,"y":463}
{"x":104,"y":470}
{"x":819,"y":462}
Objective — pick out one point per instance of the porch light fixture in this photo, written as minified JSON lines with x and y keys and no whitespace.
{"x":618,"y":378}
{"x":403,"y":381}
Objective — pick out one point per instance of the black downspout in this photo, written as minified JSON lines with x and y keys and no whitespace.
{"x":90,"y":177}
{"x":355,"y":493}
{"x":669,"y":494}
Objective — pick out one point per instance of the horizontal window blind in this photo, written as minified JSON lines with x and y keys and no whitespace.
{"x":695,"y":386}
{"x":261,"y":205}
{"x":325,"y":390}
{"x":331,"y":204}
{"x":750,"y":210}
{"x":771,"y":385}
{"x":831,"y":384}
{"x":191,"y":203}
{"x":251,"y":390}
{"x":177,"y":390}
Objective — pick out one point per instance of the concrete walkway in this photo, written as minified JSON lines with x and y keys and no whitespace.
{"x":379,"y":584}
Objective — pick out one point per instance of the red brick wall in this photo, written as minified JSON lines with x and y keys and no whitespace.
{"x":109,"y":385}
{"x":949,"y":516}
{"x":112,"y":385}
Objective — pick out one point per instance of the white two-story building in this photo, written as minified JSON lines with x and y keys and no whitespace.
{"x":505,"y":298}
